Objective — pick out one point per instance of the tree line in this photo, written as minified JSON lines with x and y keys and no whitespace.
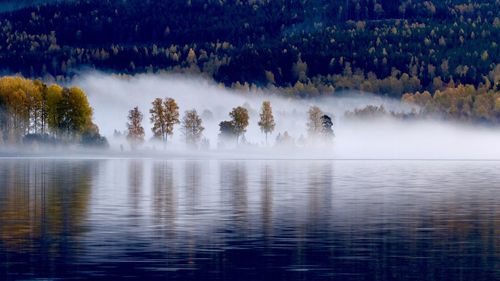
{"x":32,"y":111}
{"x":464,"y":103}
{"x":164,"y":115}
{"x":461,"y":102}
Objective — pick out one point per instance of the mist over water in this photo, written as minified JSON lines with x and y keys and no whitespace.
{"x":254,"y":212}
{"x":112,"y":96}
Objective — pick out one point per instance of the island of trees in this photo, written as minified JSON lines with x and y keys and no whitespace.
{"x":165,"y":115}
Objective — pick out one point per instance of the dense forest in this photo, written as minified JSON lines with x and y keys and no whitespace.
{"x":304,"y":48}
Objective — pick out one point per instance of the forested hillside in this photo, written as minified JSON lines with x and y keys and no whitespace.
{"x":306,"y":48}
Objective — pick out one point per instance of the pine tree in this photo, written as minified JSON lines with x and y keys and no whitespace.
{"x":327,"y":125}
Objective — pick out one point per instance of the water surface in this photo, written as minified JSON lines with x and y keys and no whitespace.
{"x":249,"y":220}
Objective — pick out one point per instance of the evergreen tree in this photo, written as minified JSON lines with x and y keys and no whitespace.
{"x":327,"y":125}
{"x":226,"y":129}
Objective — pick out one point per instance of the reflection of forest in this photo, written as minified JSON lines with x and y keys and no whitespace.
{"x":320,"y":191}
{"x":192,"y":176}
{"x":135,"y":185}
{"x":266,"y":198}
{"x":43,"y":200}
{"x":164,"y":199}
{"x":234,"y":188}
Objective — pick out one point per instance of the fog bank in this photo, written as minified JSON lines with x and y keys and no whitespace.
{"x":112,"y":97}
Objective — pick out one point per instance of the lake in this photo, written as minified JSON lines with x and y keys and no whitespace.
{"x":249,"y":220}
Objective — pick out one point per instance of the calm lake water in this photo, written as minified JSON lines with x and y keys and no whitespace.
{"x":249,"y":220}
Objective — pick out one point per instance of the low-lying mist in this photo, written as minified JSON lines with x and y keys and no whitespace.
{"x":382,"y":138}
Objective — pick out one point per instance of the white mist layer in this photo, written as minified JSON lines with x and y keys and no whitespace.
{"x":112,"y":97}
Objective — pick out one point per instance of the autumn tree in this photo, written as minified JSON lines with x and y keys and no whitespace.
{"x":31,"y":110}
{"x":171,"y":110}
{"x":54,"y":96}
{"x":34,"y":109}
{"x":315,"y":124}
{"x":74,"y":112}
{"x":158,"y":119}
{"x":300,"y":70}
{"x":266,"y":122}
{"x":164,"y":116}
{"x":17,"y":114}
{"x":192,"y":127}
{"x":135,"y":131}
{"x":43,"y":113}
{"x":239,"y":120}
